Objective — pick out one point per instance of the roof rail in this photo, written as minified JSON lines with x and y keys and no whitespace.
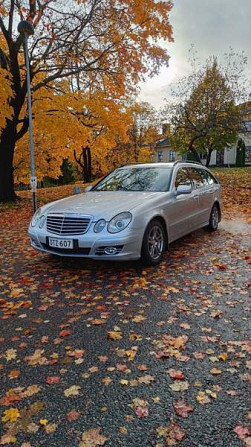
{"x":188,"y":161}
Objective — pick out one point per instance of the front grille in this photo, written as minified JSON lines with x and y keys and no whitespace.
{"x":67,"y":225}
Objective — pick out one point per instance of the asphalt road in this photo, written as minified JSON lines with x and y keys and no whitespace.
{"x":118,"y":347}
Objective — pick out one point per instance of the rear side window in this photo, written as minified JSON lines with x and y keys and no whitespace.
{"x":183,"y":178}
{"x":208,"y":177}
{"x":196,"y":177}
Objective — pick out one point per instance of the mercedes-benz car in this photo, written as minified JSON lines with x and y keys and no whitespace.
{"x":134,"y":212}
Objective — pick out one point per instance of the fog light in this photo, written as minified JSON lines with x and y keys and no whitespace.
{"x":110,"y":250}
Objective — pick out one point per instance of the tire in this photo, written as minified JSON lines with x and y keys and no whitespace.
{"x":154,"y":243}
{"x":214,"y":219}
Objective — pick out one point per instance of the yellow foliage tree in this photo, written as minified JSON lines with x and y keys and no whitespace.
{"x":103,"y":44}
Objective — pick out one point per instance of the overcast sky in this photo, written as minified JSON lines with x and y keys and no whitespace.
{"x":212,"y":26}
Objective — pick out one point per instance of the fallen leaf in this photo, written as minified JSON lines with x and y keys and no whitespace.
{"x":182,"y":409}
{"x":179,"y":385}
{"x":11,"y":415}
{"x":242,"y":432}
{"x":92,"y":438}
{"x":202,"y":398}
{"x":52,"y":380}
{"x":113,"y":335}
{"x":72,"y":391}
{"x":64,"y":333}
{"x":73,"y":415}
{"x":141,"y":412}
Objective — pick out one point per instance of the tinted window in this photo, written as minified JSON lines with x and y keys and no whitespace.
{"x":136,"y":179}
{"x":182,"y":178}
{"x":210,"y":178}
{"x":196,"y":178}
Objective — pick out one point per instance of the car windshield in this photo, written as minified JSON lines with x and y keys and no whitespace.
{"x":136,"y":179}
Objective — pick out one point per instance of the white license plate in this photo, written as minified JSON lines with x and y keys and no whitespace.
{"x":60,"y":243}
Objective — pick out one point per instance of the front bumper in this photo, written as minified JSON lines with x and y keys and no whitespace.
{"x":92,"y":245}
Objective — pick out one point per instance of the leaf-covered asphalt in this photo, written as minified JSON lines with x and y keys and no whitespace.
{"x":125,"y":349}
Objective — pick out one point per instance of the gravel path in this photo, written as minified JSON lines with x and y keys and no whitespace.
{"x":140,"y":356}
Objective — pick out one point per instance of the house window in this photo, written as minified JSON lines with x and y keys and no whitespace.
{"x":160,"y":156}
{"x":248,"y":154}
{"x":171,"y":156}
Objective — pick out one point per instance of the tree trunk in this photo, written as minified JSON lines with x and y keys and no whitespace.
{"x":89,"y":157}
{"x":208,"y":157}
{"x":7,"y":147}
{"x":195,"y":153}
{"x":87,"y":164}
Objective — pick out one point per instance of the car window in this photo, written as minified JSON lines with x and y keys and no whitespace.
{"x":209,"y":177}
{"x":196,"y":178}
{"x":155,"y":179}
{"x":204,"y":176}
{"x":183,"y":178}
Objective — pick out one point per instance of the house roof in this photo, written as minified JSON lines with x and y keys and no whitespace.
{"x":163,"y":142}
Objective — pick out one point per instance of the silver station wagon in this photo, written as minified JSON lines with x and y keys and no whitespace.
{"x":132,"y":213}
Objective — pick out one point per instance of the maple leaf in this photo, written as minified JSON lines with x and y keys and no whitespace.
{"x":43,"y":421}
{"x":176,"y":374}
{"x":52,"y":380}
{"x":97,"y":321}
{"x":50,"y":428}
{"x":103,"y":358}
{"x":106,"y":380}
{"x":179,"y":385}
{"x":202,"y":398}
{"x":10,"y":354}
{"x":147,"y":380}
{"x":138,"y":319}
{"x":93,"y":438}
{"x":242,"y":432}
{"x":141,"y":412}
{"x":11,"y":415}
{"x":72,"y":391}
{"x":73,"y":415}
{"x":114,"y":335}
{"x":14,"y":374}
{"x":131,"y":353}
{"x":182,"y":409}
{"x":172,"y":433}
{"x":65,"y":333}
{"x":8,"y":439}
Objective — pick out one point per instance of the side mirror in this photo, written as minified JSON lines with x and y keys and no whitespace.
{"x":183,"y":189}
{"x":88,"y":188}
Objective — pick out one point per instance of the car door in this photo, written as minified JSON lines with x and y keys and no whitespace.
{"x":208,"y":194}
{"x":200,"y":197}
{"x":181,"y":210}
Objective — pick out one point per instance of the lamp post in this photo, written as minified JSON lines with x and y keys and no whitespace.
{"x":26,"y":29}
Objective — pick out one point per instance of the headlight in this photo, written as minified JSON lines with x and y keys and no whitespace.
{"x":99,"y":225}
{"x":35,"y":218}
{"x":41,"y":221}
{"x":119,"y":222}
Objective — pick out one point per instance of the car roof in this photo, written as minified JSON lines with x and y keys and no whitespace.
{"x":148,"y":165}
{"x":164,"y":165}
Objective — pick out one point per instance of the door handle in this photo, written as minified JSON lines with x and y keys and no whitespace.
{"x":195,"y":197}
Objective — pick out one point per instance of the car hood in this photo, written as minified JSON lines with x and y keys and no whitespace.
{"x":103,"y":204}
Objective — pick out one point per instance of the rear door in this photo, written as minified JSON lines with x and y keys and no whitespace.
{"x":210,"y":192}
{"x":200,"y":196}
{"x":182,"y":208}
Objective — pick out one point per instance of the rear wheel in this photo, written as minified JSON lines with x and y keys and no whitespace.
{"x":214,"y":218}
{"x":154,"y":243}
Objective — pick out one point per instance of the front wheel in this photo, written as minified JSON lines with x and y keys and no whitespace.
{"x":154,"y":243}
{"x":214,"y":219}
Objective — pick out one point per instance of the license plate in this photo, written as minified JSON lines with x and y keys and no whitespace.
{"x":61,"y":243}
